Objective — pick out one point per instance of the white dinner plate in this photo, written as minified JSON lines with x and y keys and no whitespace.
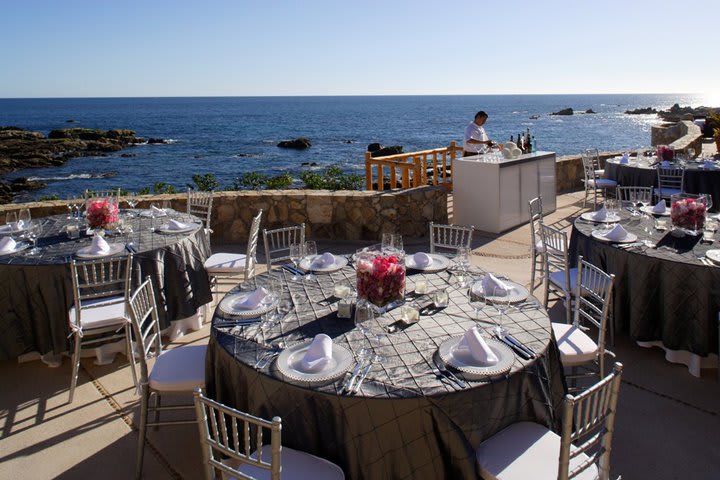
{"x":713,"y":255}
{"x":611,"y":218}
{"x":438,"y":263}
{"x":6,"y":229}
{"x":629,"y":238}
{"x":649,"y":210}
{"x":230,"y":306}
{"x":463,"y":361}
{"x":86,"y":252}
{"x":166,"y":230}
{"x":289,"y":363}
{"x":151,"y":213}
{"x":517,"y":292}
{"x":340,"y":262}
{"x":19,"y":247}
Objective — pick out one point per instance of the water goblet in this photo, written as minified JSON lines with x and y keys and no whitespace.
{"x":477,"y":303}
{"x":24,"y":216}
{"x":501,"y":302}
{"x":11,"y":220}
{"x":310,"y":254}
{"x":31,"y":233}
{"x":132,"y":201}
{"x":691,"y":153}
{"x":296,"y":254}
{"x":462,"y":259}
{"x":387,"y":242}
{"x":364,"y":317}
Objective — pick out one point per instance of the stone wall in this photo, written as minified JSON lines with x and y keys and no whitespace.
{"x":679,"y":136}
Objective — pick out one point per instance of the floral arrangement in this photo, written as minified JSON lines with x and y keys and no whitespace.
{"x":102,"y":213}
{"x":688,"y":212}
{"x":664,"y":153}
{"x":380,"y":278}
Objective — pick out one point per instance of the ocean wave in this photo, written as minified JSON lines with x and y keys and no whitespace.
{"x":74,"y":176}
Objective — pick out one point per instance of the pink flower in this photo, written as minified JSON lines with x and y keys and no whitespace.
{"x":381,"y":280}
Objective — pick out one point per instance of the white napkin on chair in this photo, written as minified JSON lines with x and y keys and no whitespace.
{"x":318,"y":354}
{"x":252,"y":301}
{"x":490,"y":284}
{"x":175,"y":225}
{"x":7,"y":244}
{"x":617,"y":233}
{"x":422,"y":259}
{"x":601,"y":214}
{"x":473,"y":342}
{"x":99,"y":245}
{"x":327,"y":259}
{"x":660,"y":207}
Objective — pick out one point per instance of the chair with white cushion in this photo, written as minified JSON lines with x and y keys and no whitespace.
{"x":450,"y":237}
{"x":177,"y":371}
{"x":594,"y":155}
{"x":200,"y":204}
{"x":228,"y":436}
{"x":593,"y":182}
{"x":277,"y":243}
{"x":99,"y":312}
{"x":671,"y":181}
{"x":634,"y":194}
{"x":536,"y":246}
{"x":528,"y":450}
{"x":560,"y":279}
{"x":593,"y":296}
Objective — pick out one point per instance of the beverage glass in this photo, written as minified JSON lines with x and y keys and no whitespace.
{"x":462,"y":259}
{"x":296,"y":254}
{"x":310,"y":253}
{"x":11,"y":220}
{"x":501,"y":303}
{"x":24,"y":216}
{"x":440,"y":298}
{"x":391,"y":243}
{"x":420,"y":286}
{"x":364,"y":316}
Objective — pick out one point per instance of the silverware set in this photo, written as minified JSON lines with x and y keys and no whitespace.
{"x":269,"y":355}
{"x":442,"y":371}
{"x":362,"y":367}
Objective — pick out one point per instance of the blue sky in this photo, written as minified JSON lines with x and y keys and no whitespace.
{"x":110,"y":48}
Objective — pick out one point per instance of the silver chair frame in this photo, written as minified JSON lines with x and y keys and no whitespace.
{"x":634,"y":194}
{"x":277,"y":243}
{"x":555,"y":256}
{"x":200,"y":204}
{"x":450,"y":237}
{"x":536,"y":218}
{"x":669,"y":178}
{"x":591,"y":180}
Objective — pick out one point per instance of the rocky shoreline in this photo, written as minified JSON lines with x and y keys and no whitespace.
{"x":21,"y":149}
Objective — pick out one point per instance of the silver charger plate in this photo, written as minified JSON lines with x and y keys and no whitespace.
{"x":517,"y":293}
{"x":649,"y":210}
{"x":713,"y":255}
{"x":629,"y":238}
{"x":463,"y":361}
{"x":306,"y":264}
{"x":151,"y":213}
{"x":611,"y":218}
{"x":86,"y":252}
{"x":228,"y":306}
{"x":289,"y":363}
{"x":166,"y":230}
{"x":19,"y":247}
{"x":438,"y":264}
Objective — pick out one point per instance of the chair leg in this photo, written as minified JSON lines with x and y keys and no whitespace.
{"x":568,"y":308}
{"x":130,"y":353}
{"x":75,"y":367}
{"x":141,"y":432}
{"x":532,"y":272}
{"x":158,"y":404}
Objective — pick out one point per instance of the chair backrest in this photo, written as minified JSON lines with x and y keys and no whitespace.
{"x":111,"y":194}
{"x":634,"y":194}
{"x":277,"y":242}
{"x":588,"y":166}
{"x":98,"y":279}
{"x":556,"y":251}
{"x":670,"y":177}
{"x":588,"y":424}
{"x":593,"y":298}
{"x":200,"y":204}
{"x":450,"y":237}
{"x":146,"y":326}
{"x":536,"y":217}
{"x":229,"y":433}
{"x":251,"y":254}
{"x":594,"y":155}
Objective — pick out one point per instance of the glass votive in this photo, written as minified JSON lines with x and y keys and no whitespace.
{"x":345,"y":308}
{"x":73,"y":231}
{"x":341,"y":291}
{"x":440,"y":298}
{"x":421,"y":286}
{"x":409,"y":314}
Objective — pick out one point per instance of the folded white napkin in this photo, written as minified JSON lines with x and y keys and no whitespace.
{"x":318,"y":354}
{"x":660,"y":207}
{"x":617,"y":233}
{"x":709,"y":164}
{"x":422,"y":259}
{"x":175,"y":225}
{"x":625,"y":159}
{"x":601,"y":214}
{"x":491,"y":284}
{"x":156,"y":210}
{"x":253,"y":300}
{"x":99,"y":245}
{"x":473,"y":342}
{"x":7,"y":244}
{"x":327,"y":259}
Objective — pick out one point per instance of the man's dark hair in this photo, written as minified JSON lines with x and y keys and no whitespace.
{"x":481,"y":113}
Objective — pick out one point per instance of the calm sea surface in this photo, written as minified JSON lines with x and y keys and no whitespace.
{"x":227,"y":136}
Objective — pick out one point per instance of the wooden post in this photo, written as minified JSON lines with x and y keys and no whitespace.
{"x":393,"y":176}
{"x":368,"y":171}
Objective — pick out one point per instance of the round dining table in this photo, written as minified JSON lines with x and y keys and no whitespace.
{"x":698,"y":178}
{"x":408,"y":420}
{"x":666,"y":291}
{"x":36,"y":290}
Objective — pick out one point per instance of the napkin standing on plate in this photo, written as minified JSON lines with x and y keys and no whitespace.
{"x":7,"y":244}
{"x":601,"y":214}
{"x":318,"y":354}
{"x":617,"y":233}
{"x":625,"y":159}
{"x":327,"y":259}
{"x":660,"y":207}
{"x":175,"y":225}
{"x":422,"y":259}
{"x":490,"y":283}
{"x":99,"y":245}
{"x":252,"y":301}
{"x":478,"y":348}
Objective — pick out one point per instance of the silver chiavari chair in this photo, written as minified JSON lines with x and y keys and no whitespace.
{"x":450,"y":237}
{"x":200,"y":204}
{"x":277,"y":243}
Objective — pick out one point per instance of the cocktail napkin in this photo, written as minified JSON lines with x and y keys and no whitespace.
{"x":600,"y":214}
{"x":7,"y":244}
{"x":253,"y":300}
{"x":99,"y":245}
{"x":491,"y":284}
{"x":327,"y":259}
{"x":422,"y":259}
{"x":175,"y":225}
{"x":473,"y":342}
{"x":318,"y":354}
{"x":660,"y":207}
{"x":617,"y":233}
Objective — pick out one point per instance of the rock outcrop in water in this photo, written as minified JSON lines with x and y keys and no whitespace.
{"x":377,"y":150}
{"x":564,"y":111}
{"x":641,"y":111}
{"x":20,"y":149}
{"x":297,"y":144}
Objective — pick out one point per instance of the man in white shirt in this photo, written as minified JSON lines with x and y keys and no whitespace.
{"x":476,"y":140}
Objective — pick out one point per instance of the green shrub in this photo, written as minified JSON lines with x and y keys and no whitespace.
{"x":205,"y":183}
{"x":162,"y":187}
{"x":279,"y":182}
{"x":250,"y":181}
{"x":332,"y":179}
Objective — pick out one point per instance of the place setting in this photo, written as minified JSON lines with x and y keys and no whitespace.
{"x":8,"y":246}
{"x":474,"y":357}
{"x":660,"y":209}
{"x":248,"y":307}
{"x":324,"y":263}
{"x":99,"y":248}
{"x":315,"y":362}
{"x":603,"y":215}
{"x":173,"y":227}
{"x":427,"y":262}
{"x":494,"y":289}
{"x":616,"y":234}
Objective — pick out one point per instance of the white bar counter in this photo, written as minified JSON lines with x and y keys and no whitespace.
{"x":494,"y":196}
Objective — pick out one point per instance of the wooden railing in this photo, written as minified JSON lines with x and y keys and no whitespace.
{"x":415,"y":169}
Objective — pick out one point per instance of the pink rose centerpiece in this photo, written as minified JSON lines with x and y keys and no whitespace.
{"x":380,"y":278}
{"x":664,"y":153}
{"x":687,"y":212}
{"x":102,"y":213}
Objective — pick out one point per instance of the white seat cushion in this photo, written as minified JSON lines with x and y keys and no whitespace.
{"x":526,"y":450}
{"x":296,"y":465}
{"x":104,"y":312}
{"x":576,"y":347}
{"x":603,"y":183}
{"x":600,"y":172}
{"x":180,"y":369}
{"x":225,"y":263}
{"x":539,"y":246}
{"x":558,"y":279}
{"x":666,"y":192}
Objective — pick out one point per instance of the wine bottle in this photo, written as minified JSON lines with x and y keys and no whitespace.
{"x":511,"y":139}
{"x":528,"y":143}
{"x":519,"y":142}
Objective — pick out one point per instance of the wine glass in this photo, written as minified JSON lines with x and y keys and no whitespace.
{"x":310,"y":254}
{"x":392,"y":243}
{"x":462,"y":259}
{"x":364,"y":317}
{"x":690,"y":153}
{"x":31,"y":233}
{"x":296,"y":254}
{"x":70,"y":203}
{"x":24,"y":216}
{"x":477,"y":303}
{"x":132,"y":200}
{"x":11,"y":220}
{"x":501,"y":301}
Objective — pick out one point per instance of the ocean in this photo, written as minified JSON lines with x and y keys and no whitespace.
{"x":228,"y":136}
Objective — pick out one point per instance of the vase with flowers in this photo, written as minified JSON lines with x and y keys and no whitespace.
{"x":380,"y":278}
{"x":664,"y":153}
{"x":687,"y":213}
{"x":102,"y":213}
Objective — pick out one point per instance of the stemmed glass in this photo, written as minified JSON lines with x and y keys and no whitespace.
{"x":31,"y":233}
{"x":392,"y":243}
{"x":462,"y":259}
{"x":11,"y":220}
{"x":364,"y":317}
{"x":310,"y":253}
{"x":24,"y":217}
{"x":476,"y":302}
{"x":296,"y":254}
{"x":70,"y":202}
{"x":501,"y":302}
{"x":132,"y":200}
{"x":691,"y":153}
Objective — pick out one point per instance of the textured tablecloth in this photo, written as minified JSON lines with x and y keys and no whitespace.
{"x":406,"y":422}
{"x":36,"y":291}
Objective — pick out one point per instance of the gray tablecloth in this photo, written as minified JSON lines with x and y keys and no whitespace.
{"x":661,"y":294}
{"x":405,"y":422}
{"x":36,"y":291}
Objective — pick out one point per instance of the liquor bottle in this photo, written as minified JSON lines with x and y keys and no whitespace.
{"x":528,"y":143}
{"x":519,"y":142}
{"x":511,"y":139}
{"x":534,"y":144}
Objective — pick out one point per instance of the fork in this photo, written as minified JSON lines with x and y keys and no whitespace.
{"x":442,"y":368}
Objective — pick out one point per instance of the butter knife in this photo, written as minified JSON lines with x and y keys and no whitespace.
{"x":521,"y":345}
{"x":517,"y":349}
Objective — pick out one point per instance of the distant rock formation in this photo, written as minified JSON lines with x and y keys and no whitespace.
{"x":374,"y":147}
{"x":534,"y":117}
{"x":385,"y":151}
{"x":590,"y":110}
{"x":641,"y":111}
{"x":297,"y":144}
{"x":564,"y":111}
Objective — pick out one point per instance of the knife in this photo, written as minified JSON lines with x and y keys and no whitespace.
{"x":521,"y":345}
{"x":517,"y":349}
{"x":362,"y":377}
{"x":293,"y":270}
{"x":347,"y":387}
